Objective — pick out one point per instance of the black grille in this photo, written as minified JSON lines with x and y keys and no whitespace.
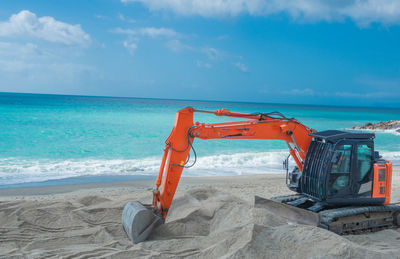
{"x":314,"y":170}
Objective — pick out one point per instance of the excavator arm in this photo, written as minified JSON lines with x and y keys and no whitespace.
{"x":261,"y":126}
{"x":272,"y":126}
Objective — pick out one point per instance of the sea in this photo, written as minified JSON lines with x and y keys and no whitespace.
{"x":64,"y":139}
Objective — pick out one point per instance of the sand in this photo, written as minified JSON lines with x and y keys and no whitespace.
{"x":210,"y":218}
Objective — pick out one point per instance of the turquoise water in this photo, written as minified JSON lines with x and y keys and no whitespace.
{"x":47,"y":137}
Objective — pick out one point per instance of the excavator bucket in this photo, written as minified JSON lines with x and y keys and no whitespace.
{"x":139,"y":220}
{"x":289,"y":213}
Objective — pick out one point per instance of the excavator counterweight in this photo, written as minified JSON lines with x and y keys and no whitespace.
{"x":342,"y":183}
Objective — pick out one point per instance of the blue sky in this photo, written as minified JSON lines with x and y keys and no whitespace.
{"x":303,"y":52}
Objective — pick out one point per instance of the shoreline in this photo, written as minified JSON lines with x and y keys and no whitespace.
{"x":73,"y":184}
{"x":78,"y":180}
{"x":141,"y":184}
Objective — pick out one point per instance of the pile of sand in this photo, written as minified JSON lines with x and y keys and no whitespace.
{"x":205,"y":222}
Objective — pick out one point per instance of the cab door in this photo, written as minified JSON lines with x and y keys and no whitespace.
{"x":340,"y":178}
{"x":363,"y":177}
{"x":351,"y":173}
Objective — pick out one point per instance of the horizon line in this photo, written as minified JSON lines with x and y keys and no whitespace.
{"x":197,"y":100}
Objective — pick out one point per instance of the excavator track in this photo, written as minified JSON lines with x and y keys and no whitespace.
{"x":362,"y":219}
{"x":347,"y":220}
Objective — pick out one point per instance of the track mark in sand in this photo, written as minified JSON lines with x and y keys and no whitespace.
{"x":95,"y":253}
{"x":33,"y":227}
{"x":6,"y":236}
{"x":98,"y":217}
{"x":183,"y":253}
{"x":92,"y":200}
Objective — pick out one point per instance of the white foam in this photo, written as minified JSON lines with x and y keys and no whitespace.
{"x":388,"y":131}
{"x":13,"y":171}
{"x":240,"y":163}
{"x":392,"y":131}
{"x":394,"y":157}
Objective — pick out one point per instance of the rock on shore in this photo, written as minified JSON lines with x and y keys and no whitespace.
{"x":383,"y":125}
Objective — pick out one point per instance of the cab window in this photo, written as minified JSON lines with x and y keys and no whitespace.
{"x":364,"y":161}
{"x":341,"y":167}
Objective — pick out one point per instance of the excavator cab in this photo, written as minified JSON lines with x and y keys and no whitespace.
{"x":339,"y":169}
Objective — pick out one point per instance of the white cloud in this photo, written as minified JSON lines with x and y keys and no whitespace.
{"x":382,"y":83}
{"x":342,"y":94}
{"x":125,"y":31}
{"x":212,"y":53}
{"x":30,"y":66}
{"x":173,"y":40}
{"x":370,"y":95}
{"x":155,"y":32}
{"x":125,"y":18}
{"x":223,"y":37}
{"x":363,"y":12}
{"x":134,"y":36}
{"x":130,"y":46}
{"x":177,"y":46}
{"x":305,"y":91}
{"x":26,"y":24}
{"x":25,"y":51}
{"x":15,"y":66}
{"x":200,"y":7}
{"x":148,"y":31}
{"x":28,"y":69}
{"x":20,"y":75}
{"x":203,"y":64}
{"x":100,"y":16}
{"x":242,"y":67}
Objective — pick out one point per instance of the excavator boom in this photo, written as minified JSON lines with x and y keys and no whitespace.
{"x":180,"y":141}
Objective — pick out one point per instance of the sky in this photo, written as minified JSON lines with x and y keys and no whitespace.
{"x":315,"y":52}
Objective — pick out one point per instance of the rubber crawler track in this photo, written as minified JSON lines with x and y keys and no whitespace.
{"x":353,"y":220}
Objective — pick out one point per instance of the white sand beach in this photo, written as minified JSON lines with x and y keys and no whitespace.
{"x":211,"y":217}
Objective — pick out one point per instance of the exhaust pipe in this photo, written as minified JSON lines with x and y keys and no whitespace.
{"x":139,"y":220}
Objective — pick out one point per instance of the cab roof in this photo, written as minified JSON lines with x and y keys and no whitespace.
{"x":335,"y":135}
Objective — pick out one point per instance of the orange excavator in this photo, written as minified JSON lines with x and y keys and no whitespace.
{"x":340,"y":182}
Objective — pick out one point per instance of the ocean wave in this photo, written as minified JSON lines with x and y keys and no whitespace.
{"x":394,"y":157}
{"x":15,"y":171}
{"x":391,"y":131}
{"x":388,"y":131}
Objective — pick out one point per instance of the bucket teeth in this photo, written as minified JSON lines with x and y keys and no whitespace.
{"x":139,"y":220}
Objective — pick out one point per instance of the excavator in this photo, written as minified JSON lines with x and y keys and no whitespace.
{"x":340,"y":182}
